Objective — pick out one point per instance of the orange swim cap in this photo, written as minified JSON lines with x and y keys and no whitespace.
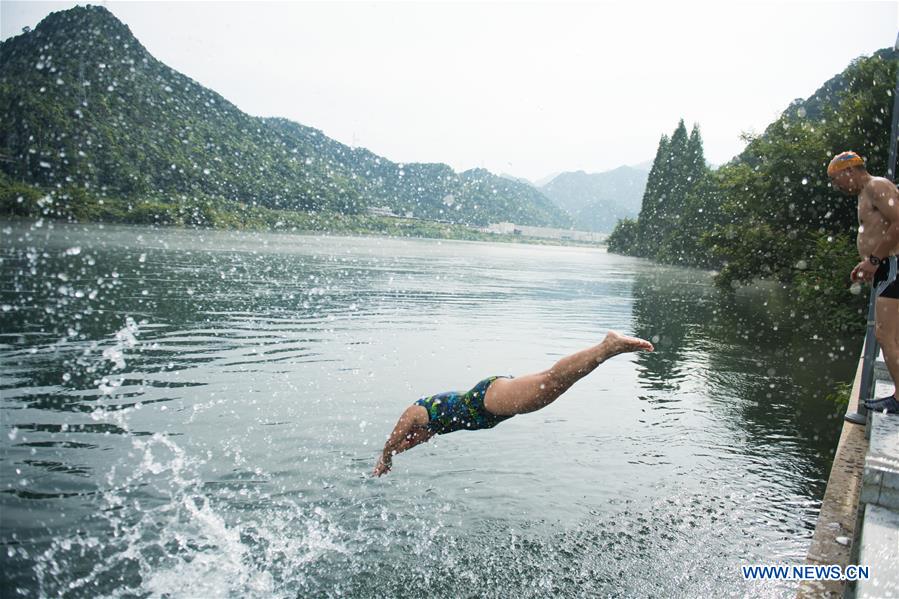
{"x":844,"y":161}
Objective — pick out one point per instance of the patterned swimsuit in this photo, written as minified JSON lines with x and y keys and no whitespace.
{"x":456,"y":410}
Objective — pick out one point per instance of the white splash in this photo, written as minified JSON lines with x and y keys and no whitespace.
{"x":126,"y":338}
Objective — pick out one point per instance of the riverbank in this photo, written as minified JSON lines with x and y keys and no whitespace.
{"x":357,"y":226}
{"x":74,"y":205}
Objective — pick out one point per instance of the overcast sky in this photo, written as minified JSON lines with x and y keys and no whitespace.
{"x":528,"y":89}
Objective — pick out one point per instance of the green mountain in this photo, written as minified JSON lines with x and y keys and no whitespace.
{"x":597,"y":201}
{"x":828,"y":97}
{"x":84,"y":106}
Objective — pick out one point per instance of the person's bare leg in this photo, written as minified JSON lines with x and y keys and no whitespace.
{"x":887,"y":332}
{"x":507,"y":397}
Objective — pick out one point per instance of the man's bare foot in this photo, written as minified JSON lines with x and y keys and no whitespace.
{"x":619,"y":344}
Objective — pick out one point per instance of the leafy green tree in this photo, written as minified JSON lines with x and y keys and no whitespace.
{"x":771,"y":213}
{"x":624,"y":237}
{"x":822,"y":286}
{"x":19,"y":199}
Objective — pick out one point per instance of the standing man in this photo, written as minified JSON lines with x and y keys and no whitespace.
{"x":878,"y":245}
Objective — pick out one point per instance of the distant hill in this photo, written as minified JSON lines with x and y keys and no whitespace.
{"x":84,"y":105}
{"x":544,"y":180}
{"x":518,"y":179}
{"x":597,"y":201}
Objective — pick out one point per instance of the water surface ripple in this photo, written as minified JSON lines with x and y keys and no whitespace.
{"x":195,"y":413}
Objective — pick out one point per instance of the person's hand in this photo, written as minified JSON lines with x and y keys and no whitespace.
{"x":382,"y":467}
{"x":863,"y":271}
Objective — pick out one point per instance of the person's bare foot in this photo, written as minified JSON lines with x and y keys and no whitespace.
{"x":619,"y":344}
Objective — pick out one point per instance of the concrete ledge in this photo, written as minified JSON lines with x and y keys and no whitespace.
{"x":880,"y":482}
{"x":879,"y":550}
{"x":839,"y":510}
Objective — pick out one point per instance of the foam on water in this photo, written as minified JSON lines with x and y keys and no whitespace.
{"x":166,"y":534}
{"x":167,"y":537}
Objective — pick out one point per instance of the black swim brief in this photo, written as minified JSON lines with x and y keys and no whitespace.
{"x":885,"y":280}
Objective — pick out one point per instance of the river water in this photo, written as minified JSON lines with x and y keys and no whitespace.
{"x":196,"y":414}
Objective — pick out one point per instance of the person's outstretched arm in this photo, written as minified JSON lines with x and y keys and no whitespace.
{"x":410,"y":430}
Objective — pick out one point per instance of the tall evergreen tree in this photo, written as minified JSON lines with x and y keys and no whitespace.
{"x":681,"y":244}
{"x":678,"y":183}
{"x":695,"y":156}
{"x":648,"y":220}
{"x":671,"y":193}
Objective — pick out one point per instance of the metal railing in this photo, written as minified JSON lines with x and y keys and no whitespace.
{"x":869,"y":355}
